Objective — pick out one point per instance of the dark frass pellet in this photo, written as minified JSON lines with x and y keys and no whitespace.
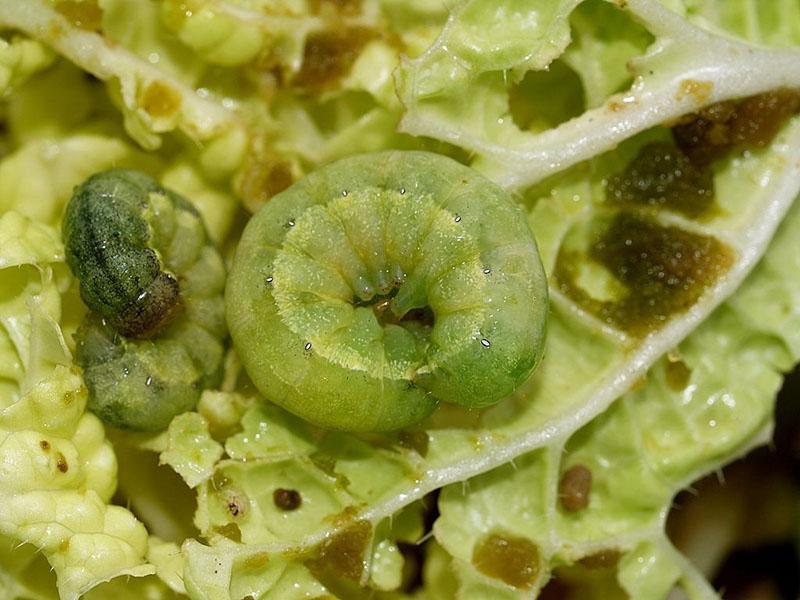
{"x":286,"y":499}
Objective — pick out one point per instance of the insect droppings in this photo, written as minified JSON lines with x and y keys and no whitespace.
{"x":61,"y":463}
{"x":234,"y":508}
{"x":286,"y":499}
{"x":574,"y":488}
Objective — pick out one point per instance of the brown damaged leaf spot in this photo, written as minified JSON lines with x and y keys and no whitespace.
{"x":347,"y":515}
{"x":752,"y":122}
{"x":343,"y":554}
{"x":574,"y":488}
{"x":329,"y":55}
{"x":416,"y":440}
{"x":44,"y":445}
{"x":230,"y":531}
{"x":677,"y":374}
{"x":699,"y":91}
{"x":663,"y":269}
{"x":512,"y":559}
{"x":83,"y":14}
{"x":262,"y":177}
{"x":661,"y":176}
{"x":160,"y":100}
{"x":61,"y":463}
{"x":601,"y":560}
{"x":256,"y":561}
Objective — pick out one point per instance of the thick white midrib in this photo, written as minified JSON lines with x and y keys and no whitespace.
{"x":734,"y":69}
{"x":784,"y":189}
{"x":200,"y":118}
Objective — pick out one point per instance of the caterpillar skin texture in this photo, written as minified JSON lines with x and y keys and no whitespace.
{"x":155,"y":334}
{"x":382,"y":284}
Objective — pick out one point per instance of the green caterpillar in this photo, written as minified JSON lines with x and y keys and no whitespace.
{"x":382,"y":284}
{"x":155,"y":334}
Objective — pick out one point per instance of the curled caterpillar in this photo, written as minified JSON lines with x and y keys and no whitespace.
{"x":153,"y":280}
{"x":382,"y":284}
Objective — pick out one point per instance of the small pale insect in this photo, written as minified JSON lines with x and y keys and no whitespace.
{"x":155,"y":334}
{"x":388,"y":286}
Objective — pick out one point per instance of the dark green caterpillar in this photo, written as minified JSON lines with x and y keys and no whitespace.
{"x":155,"y":334}
{"x":381,"y":284}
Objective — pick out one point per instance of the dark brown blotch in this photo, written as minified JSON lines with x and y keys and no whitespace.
{"x":343,"y":554}
{"x":264,"y":175}
{"x":286,"y":499}
{"x":753,"y":122}
{"x":664,"y":271}
{"x":661,"y":176}
{"x":601,"y":560}
{"x":512,"y":559}
{"x":329,"y":55}
{"x":61,"y":463}
{"x":574,"y":488}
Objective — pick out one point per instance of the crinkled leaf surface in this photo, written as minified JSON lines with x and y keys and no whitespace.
{"x":57,"y":471}
{"x":708,"y":400}
{"x":457,"y":95}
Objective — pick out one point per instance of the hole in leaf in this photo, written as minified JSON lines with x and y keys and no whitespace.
{"x":545,"y":99}
{"x":604,"y":39}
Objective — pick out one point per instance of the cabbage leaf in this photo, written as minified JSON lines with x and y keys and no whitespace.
{"x":222,"y":101}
